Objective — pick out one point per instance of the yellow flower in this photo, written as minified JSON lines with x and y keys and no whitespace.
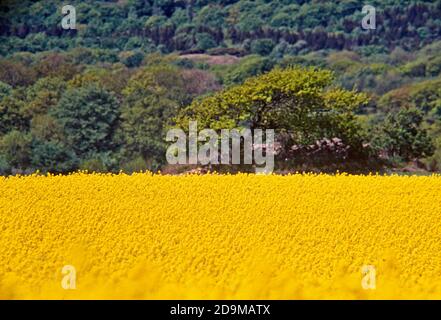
{"x":244,"y":236}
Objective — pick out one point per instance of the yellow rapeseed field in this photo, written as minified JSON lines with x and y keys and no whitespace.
{"x":220,"y":236}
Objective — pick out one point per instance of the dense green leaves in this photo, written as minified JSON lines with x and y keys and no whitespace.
{"x":401,"y":136}
{"x":88,"y":117}
{"x":295,"y":101}
{"x":102,"y":97}
{"x":152,"y":96}
{"x":52,"y":156}
{"x":175,"y":25}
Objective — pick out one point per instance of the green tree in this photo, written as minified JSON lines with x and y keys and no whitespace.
{"x":15,"y":148}
{"x":401,"y":135}
{"x":211,"y":16}
{"x":16,"y":73}
{"x":262,"y":46}
{"x":11,"y":114}
{"x":297,"y":102}
{"x":132,"y":58}
{"x":5,"y":89}
{"x":43,"y":95}
{"x":88,"y":117}
{"x":5,"y":168}
{"x":205,"y":41}
{"x":152,"y":96}
{"x":249,"y":66}
{"x":52,"y":156}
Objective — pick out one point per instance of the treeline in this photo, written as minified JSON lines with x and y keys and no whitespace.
{"x":102,"y":97}
{"x":249,"y":27}
{"x":98,"y":118}
{"x":59,"y":114}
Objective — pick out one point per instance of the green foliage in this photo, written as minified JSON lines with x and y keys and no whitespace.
{"x":5,"y":168}
{"x":152,"y":96}
{"x":423,"y":96}
{"x":262,"y":46}
{"x":15,"y":148}
{"x":55,"y":65}
{"x":434,"y":162}
{"x":46,"y":127}
{"x":205,"y":41}
{"x":247,"y":67}
{"x":11,"y":115}
{"x":295,"y":101}
{"x":136,"y":165}
{"x":88,"y":117}
{"x":132,"y":59}
{"x":173,"y":25}
{"x":401,"y":136}
{"x":52,"y":156}
{"x":81,"y":55}
{"x":113,"y":79}
{"x":101,"y":97}
{"x":211,"y":16}
{"x":43,"y":96}
{"x":103,"y":162}
{"x":5,"y":90}
{"x":16,"y":73}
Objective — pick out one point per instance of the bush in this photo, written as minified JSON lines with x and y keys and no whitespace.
{"x":401,"y":136}
{"x":15,"y":148}
{"x":99,"y":163}
{"x":51,"y":156}
{"x":5,"y":168}
{"x":132,"y":59}
{"x":262,"y":47}
{"x":205,"y":41}
{"x":248,"y":67}
{"x":88,"y":117}
{"x":136,"y":165}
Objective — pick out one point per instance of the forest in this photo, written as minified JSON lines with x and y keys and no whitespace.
{"x":102,"y":97}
